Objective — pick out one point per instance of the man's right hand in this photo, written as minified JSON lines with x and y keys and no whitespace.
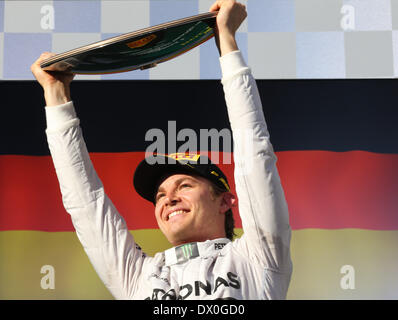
{"x":56,"y":85}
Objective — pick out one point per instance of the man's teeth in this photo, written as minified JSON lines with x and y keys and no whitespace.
{"x":176,"y":213}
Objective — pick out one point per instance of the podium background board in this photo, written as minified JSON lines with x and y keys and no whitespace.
{"x":281,"y":39}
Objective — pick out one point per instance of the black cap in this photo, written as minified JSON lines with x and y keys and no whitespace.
{"x":150,"y":170}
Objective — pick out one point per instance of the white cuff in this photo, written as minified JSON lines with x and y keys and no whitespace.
{"x":58,"y":116}
{"x":231,"y":64}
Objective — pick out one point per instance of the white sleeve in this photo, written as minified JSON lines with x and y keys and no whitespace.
{"x":262,"y":205}
{"x":99,"y":227}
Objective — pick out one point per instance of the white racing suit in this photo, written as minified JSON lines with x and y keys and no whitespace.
{"x":255,"y":266}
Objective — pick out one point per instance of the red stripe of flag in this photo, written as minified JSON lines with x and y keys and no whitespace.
{"x":328,"y":190}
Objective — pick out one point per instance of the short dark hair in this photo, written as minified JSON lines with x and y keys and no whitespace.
{"x":229,"y":223}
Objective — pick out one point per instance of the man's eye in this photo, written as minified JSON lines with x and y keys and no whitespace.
{"x":159,"y":196}
{"x":185,"y":185}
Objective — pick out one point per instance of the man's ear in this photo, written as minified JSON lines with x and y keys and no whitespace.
{"x":228,"y":201}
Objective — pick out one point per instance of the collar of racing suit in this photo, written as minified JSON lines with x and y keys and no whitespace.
{"x":192,"y":250}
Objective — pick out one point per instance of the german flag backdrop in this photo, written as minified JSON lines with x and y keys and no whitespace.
{"x":337,"y":148}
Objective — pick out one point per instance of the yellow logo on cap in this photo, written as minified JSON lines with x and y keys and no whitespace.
{"x":221,"y":179}
{"x":184,"y":156}
{"x":225,"y":184}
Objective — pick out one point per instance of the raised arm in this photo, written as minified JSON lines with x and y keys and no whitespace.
{"x":262,"y":205}
{"x":99,"y":227}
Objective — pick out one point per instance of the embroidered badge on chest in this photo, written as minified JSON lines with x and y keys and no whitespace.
{"x":186,"y":252}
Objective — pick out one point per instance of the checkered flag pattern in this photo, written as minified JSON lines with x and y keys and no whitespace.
{"x":280,"y":39}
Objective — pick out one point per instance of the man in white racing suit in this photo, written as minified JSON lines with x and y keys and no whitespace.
{"x":203,"y":263}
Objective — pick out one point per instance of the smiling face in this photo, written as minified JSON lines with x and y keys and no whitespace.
{"x":187,"y":210}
